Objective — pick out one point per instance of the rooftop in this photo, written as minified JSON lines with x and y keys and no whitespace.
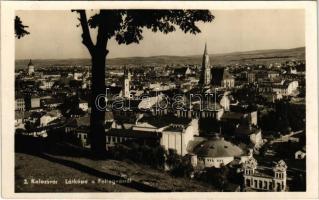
{"x":219,"y":74}
{"x":133,"y":133}
{"x":246,"y":130}
{"x":217,"y":147}
{"x":161,"y":121}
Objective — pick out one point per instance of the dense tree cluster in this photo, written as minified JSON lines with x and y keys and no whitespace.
{"x":218,"y":177}
{"x":179,"y":166}
{"x":153,"y":156}
{"x":126,"y":27}
{"x":284,"y":117}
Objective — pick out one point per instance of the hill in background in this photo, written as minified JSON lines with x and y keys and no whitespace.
{"x":249,"y":57}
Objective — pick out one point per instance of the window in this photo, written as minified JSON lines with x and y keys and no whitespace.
{"x":260,"y":184}
{"x":247,"y":182}
{"x":265,"y":185}
{"x":270,"y":185}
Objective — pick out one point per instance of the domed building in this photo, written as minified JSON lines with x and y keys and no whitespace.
{"x":217,"y":152}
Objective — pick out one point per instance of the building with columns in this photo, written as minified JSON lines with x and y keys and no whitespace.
{"x":264,"y":179}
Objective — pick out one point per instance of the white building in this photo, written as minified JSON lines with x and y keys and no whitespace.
{"x":263,"y":179}
{"x":175,"y":133}
{"x":217,"y":152}
{"x":30,"y":68}
{"x":77,"y":75}
{"x":19,"y":103}
{"x":288,"y":88}
{"x":49,"y":117}
{"x":177,"y":137}
{"x":35,"y":102}
{"x":148,"y":102}
{"x":126,"y":84}
{"x":45,"y":85}
{"x":84,"y":105}
{"x":300,"y":155}
{"x":225,"y":102}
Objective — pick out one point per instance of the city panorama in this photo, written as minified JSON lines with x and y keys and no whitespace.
{"x":160,"y":101}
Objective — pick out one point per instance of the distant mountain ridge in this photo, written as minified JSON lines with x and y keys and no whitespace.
{"x":247,"y":57}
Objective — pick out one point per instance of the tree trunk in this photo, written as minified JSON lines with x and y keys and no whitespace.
{"x":97,"y":120}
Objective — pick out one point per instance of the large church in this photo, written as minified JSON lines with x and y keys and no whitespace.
{"x":217,"y":77}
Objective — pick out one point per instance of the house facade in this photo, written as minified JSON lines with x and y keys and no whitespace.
{"x":265,"y":180}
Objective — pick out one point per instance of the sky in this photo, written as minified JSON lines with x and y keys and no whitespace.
{"x":54,"y":35}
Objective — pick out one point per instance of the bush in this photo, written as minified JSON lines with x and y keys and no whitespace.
{"x":144,"y":154}
{"x":179,"y":167}
{"x":217,"y":176}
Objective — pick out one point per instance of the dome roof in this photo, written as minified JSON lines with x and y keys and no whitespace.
{"x":217,"y":147}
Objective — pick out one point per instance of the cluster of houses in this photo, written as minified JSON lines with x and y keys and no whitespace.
{"x":172,"y":115}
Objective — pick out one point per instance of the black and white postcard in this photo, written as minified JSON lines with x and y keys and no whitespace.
{"x":159,"y":100}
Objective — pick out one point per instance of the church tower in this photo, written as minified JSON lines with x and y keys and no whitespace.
{"x":126,"y":83}
{"x":205,"y":77}
{"x":30,"y":68}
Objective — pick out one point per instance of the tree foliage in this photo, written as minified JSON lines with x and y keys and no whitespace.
{"x":284,"y":117}
{"x":126,"y":27}
{"x":179,"y":166}
{"x":144,"y":154}
{"x":217,"y":176}
{"x":19,"y":28}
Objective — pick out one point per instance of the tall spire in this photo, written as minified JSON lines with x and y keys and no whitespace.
{"x":205,"y":51}
{"x":205,"y":77}
{"x":30,"y":62}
